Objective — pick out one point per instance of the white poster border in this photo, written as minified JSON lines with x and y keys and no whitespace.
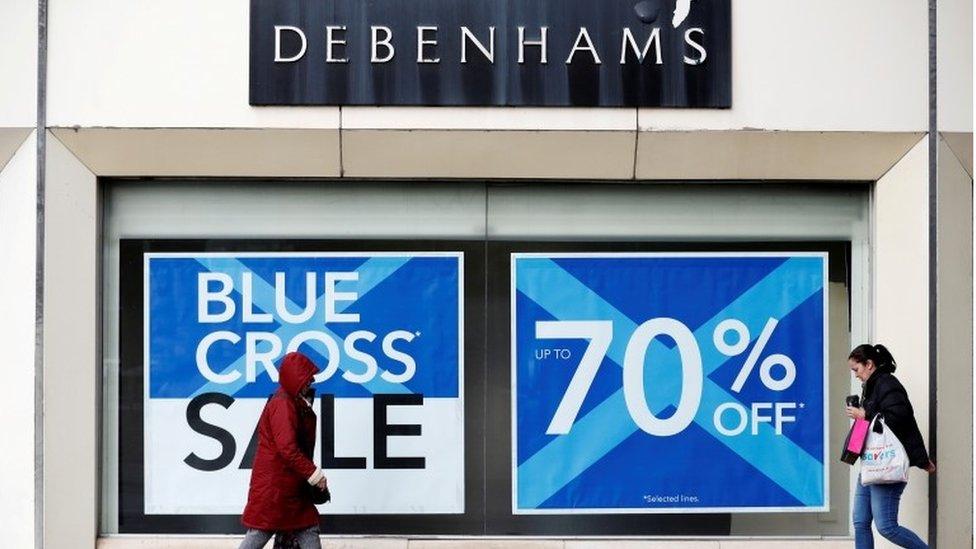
{"x":513,"y":266}
{"x":148,"y":256}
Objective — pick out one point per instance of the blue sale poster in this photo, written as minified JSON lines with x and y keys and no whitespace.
{"x":669,"y":382}
{"x":385,"y":330}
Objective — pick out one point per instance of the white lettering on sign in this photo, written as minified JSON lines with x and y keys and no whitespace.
{"x":583,"y":36}
{"x":422,"y":41}
{"x":467,"y":35}
{"x":629,"y":40}
{"x":383,"y":50}
{"x":702,"y":54}
{"x":540,"y":43}
{"x":331,"y":42}
{"x":263,"y":349}
{"x":216,"y":304}
{"x":279,"y":58}
{"x":376,"y":43}
{"x":221,"y":296}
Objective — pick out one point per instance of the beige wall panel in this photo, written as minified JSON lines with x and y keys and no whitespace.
{"x":770,"y":155}
{"x":955,"y":65}
{"x":18,"y":63}
{"x":485,"y":544}
{"x":285,"y":153}
{"x":554,"y":154}
{"x":901,"y":301}
{"x":961,"y":146}
{"x":71,"y":372}
{"x":18,"y":231}
{"x":231,"y":542}
{"x":127,"y":542}
{"x":488,"y":118}
{"x":788,"y":544}
{"x":518,"y":154}
{"x":137,"y":63}
{"x":820,"y":65}
{"x":955,"y":352}
{"x":594,"y":544}
{"x":10,"y":141}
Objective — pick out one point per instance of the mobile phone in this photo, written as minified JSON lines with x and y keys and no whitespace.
{"x":853,"y":401}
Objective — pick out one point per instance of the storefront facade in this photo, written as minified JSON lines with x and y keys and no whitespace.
{"x":136,"y":136}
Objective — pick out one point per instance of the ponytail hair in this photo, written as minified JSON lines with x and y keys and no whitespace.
{"x":878,"y":354}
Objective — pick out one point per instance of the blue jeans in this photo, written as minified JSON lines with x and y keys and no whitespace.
{"x":305,"y":539}
{"x":880,"y":502}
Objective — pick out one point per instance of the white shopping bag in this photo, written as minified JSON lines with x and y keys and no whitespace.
{"x":884,"y":460}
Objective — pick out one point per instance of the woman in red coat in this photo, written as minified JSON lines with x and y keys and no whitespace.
{"x":278,"y":499}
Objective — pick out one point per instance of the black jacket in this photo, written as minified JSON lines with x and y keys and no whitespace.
{"x":884,"y":394}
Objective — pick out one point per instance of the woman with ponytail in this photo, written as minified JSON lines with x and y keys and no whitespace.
{"x":884,"y":395}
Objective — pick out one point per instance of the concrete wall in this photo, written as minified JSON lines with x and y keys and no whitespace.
{"x":954,"y":49}
{"x":18,"y":206}
{"x":955,"y":275}
{"x":820,"y":65}
{"x":805,"y":65}
{"x":955,"y":352}
{"x":139,"y":63}
{"x":901,"y":300}
{"x":71,"y":375}
{"x":18,"y":64}
{"x":18,"y":193}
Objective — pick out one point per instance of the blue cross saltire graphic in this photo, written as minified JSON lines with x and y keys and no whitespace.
{"x":415,"y":297}
{"x":605,"y":462}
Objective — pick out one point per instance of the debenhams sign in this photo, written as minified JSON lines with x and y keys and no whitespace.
{"x":614,"y":53}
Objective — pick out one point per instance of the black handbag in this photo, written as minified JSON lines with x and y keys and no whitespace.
{"x":319,"y":497}
{"x":313,"y":493}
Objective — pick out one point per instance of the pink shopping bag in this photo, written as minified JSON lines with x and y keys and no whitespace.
{"x":856,"y":438}
{"x":859,"y":434}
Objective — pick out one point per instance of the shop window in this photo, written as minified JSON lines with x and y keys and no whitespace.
{"x":530,"y":359}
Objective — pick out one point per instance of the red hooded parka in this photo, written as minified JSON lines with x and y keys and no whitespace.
{"x":277,"y":499}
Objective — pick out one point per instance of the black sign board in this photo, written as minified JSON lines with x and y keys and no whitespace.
{"x":608,"y":53}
